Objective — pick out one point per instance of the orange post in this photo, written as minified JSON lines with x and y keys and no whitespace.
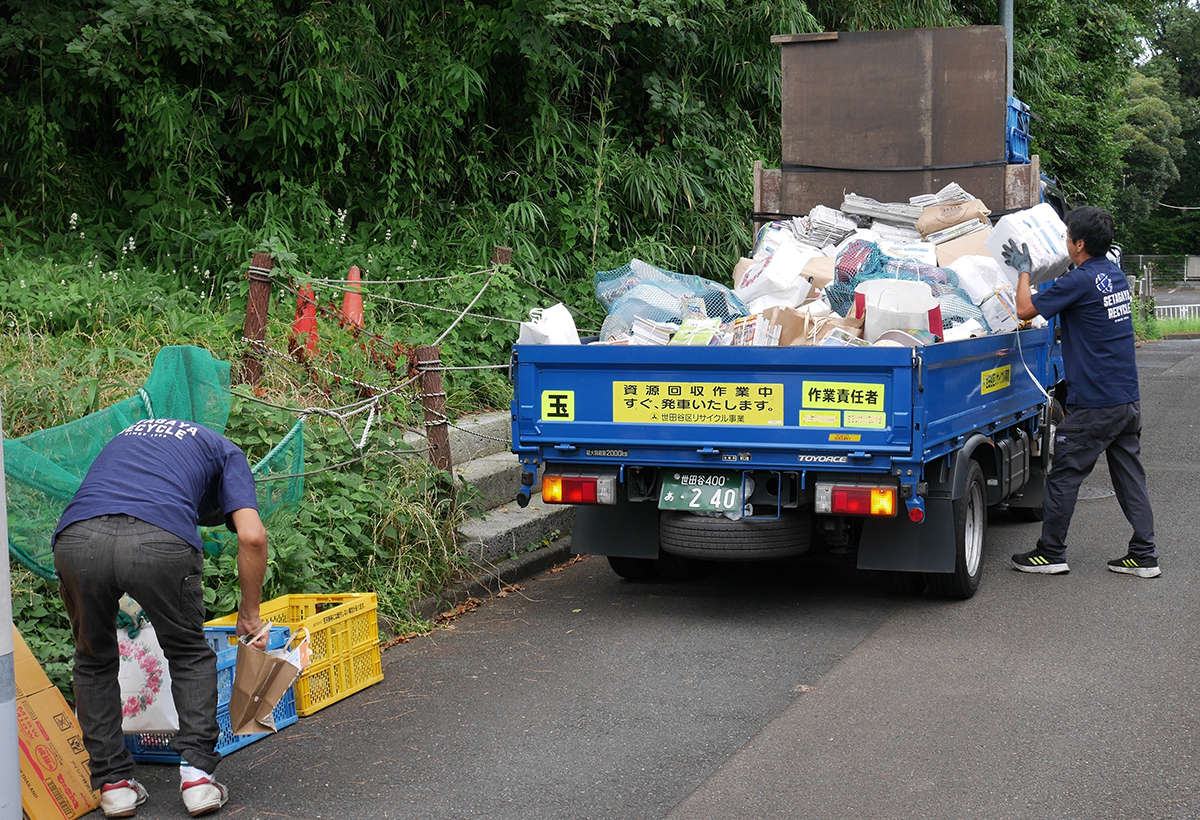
{"x":304,"y":326}
{"x":352,"y":301}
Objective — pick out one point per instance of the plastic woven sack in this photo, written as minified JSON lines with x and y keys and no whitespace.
{"x":640,"y":289}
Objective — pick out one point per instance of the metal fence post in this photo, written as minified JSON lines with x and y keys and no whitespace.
{"x":10,"y":764}
{"x":257,"y":305}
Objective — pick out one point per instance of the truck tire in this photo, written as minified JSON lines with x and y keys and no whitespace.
{"x":719,"y":539}
{"x":970,"y":526}
{"x":633,"y":569}
{"x":1031,"y":514}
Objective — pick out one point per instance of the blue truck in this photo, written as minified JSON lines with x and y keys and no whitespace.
{"x":677,"y":456}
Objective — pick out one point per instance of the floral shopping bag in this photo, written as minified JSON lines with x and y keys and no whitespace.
{"x":146,"y":702}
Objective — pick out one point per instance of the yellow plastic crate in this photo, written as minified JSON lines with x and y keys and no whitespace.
{"x":343,"y":641}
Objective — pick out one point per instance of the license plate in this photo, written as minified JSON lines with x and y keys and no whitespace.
{"x":701,"y":491}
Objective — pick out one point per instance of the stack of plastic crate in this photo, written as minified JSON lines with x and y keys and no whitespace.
{"x":1017,"y":130}
{"x":155,"y":747}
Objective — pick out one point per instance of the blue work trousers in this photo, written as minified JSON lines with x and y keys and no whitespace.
{"x":1082,"y":436}
{"x":98,"y":560}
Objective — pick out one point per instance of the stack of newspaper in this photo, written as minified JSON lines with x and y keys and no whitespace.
{"x":649,"y":332}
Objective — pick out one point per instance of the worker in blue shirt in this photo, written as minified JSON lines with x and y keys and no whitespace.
{"x":132,"y":528}
{"x":1103,"y":412}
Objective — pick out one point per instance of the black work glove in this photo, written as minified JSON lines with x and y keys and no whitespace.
{"x":1018,"y":259}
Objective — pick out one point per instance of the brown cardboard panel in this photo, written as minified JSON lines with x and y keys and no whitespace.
{"x":969,"y":245}
{"x":885,"y":99}
{"x":55,"y":778}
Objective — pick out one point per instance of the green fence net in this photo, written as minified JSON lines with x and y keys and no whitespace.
{"x":44,"y":469}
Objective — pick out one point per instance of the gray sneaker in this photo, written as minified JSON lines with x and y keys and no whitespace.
{"x":203,"y":795}
{"x":122,"y":798}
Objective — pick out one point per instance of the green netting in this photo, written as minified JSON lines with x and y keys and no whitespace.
{"x":278,"y":484}
{"x":44,"y":469}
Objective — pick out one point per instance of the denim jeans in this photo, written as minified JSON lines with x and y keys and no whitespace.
{"x":1082,"y":436}
{"x":97,"y":561}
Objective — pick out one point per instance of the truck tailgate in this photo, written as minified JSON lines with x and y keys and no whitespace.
{"x":781,"y":408}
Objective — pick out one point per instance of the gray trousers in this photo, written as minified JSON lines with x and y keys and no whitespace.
{"x":97,"y":561}
{"x":1084,"y":434}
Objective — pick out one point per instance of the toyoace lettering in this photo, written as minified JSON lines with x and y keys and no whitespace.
{"x":824,"y":459}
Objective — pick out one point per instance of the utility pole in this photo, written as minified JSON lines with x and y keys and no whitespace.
{"x":10,"y":764}
{"x":1006,"y":20}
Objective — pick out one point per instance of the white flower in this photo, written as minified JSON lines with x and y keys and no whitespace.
{"x":62,"y":281}
{"x":22,"y":284}
{"x":74,"y":221}
{"x":414,"y":243}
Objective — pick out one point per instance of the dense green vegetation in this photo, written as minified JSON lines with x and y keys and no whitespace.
{"x":149,"y":146}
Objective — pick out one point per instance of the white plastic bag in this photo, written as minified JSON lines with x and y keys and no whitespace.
{"x":146,"y":702}
{"x":551,"y":326}
{"x":777,"y":280}
{"x":1040,"y":228}
{"x":979,"y":276}
{"x":900,"y":304}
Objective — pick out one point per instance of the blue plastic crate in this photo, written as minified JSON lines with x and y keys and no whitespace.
{"x":1018,"y":147}
{"x":1018,"y":116}
{"x":156,"y":747}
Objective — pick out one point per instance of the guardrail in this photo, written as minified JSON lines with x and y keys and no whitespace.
{"x":1177,"y":312}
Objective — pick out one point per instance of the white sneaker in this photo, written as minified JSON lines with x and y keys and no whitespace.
{"x":122,"y":798}
{"x":202,"y":796}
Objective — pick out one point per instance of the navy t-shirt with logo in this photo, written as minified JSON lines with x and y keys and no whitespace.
{"x":173,"y":474}
{"x":1094,"y":305}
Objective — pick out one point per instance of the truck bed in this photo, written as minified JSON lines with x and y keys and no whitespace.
{"x":776,"y":408}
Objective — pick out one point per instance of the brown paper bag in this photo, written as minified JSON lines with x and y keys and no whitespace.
{"x":825,"y":325}
{"x":260,"y":681}
{"x":794,"y":325}
{"x":820,"y":271}
{"x":937,"y":217}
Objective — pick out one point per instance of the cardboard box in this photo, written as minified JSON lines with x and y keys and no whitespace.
{"x":55,"y":774}
{"x":969,"y":245}
{"x":820,"y":271}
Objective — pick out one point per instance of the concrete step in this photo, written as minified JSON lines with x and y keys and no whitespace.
{"x":509,"y":528}
{"x":474,"y":436}
{"x":497,"y":477}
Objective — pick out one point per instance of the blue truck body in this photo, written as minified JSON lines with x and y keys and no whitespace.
{"x":792,"y":417}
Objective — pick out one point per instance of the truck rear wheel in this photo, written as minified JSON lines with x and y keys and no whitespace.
{"x":720,"y":539}
{"x":970,"y":525}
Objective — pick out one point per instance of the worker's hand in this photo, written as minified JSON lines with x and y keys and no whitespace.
{"x":252,"y":626}
{"x":1015,"y":258}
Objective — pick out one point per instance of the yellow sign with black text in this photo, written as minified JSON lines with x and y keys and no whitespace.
{"x":993,"y":380}
{"x":843,"y":404}
{"x":748,"y":403}
{"x":558,"y":405}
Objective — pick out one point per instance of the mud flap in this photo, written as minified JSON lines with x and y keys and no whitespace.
{"x":899,"y":544}
{"x":627,"y":529}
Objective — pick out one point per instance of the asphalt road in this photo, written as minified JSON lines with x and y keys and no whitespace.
{"x":788,"y":691}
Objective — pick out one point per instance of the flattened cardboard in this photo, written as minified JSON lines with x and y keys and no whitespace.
{"x":969,"y":245}
{"x":55,"y":774}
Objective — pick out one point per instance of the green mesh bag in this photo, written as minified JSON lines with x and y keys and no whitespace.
{"x":44,"y":469}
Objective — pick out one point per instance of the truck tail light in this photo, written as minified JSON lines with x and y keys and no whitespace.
{"x":854,"y":499}
{"x":578,"y":489}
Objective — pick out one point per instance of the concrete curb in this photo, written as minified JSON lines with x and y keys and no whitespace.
{"x":490,"y":580}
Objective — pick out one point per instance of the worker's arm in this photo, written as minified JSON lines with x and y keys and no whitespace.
{"x":1025,"y":308}
{"x":252,"y":568}
{"x":1019,"y":260}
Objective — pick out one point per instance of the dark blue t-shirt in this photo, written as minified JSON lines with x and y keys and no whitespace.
{"x":1094,"y":304}
{"x":173,"y":474}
